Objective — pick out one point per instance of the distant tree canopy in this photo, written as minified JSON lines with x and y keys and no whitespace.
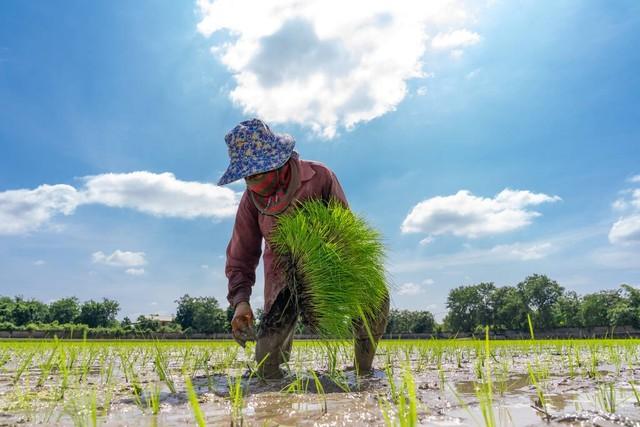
{"x":65,"y":310}
{"x":201,"y":314}
{"x":410,"y":322}
{"x":470,"y":308}
{"x":99,"y":314}
{"x":548,"y":304}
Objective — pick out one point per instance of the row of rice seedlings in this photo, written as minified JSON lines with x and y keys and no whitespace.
{"x":403,"y":399}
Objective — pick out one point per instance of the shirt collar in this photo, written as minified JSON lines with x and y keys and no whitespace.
{"x":306,"y":171}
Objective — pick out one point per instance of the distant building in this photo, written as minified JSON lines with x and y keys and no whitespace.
{"x":163,"y":319}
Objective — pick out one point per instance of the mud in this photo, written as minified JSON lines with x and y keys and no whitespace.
{"x":571,"y":386}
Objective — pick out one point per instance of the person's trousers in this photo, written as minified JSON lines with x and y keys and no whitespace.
{"x":276,"y":330}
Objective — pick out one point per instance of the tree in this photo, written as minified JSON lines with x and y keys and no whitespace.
{"x":126,"y":323}
{"x":29,"y":311}
{"x":509,"y":310}
{"x":566,"y":311}
{"x":6,"y":309}
{"x":540,"y":293}
{"x":65,"y":310}
{"x":470,"y":306}
{"x":201,"y":314}
{"x":99,"y":314}
{"x":423,"y":322}
{"x":146,"y":324}
{"x":595,"y":308}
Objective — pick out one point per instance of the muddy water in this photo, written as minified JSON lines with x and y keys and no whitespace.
{"x":577,"y":386}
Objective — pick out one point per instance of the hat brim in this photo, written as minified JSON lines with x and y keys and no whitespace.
{"x":260,"y":162}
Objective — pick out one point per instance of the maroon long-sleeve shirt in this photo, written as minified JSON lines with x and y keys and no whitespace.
{"x":251,"y":227}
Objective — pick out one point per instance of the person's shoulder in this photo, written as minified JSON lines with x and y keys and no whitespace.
{"x":318,"y":167}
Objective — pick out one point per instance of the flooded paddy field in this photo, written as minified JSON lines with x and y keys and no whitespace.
{"x":427,"y":382}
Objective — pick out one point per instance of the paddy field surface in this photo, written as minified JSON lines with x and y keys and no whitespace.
{"x":422,"y":382}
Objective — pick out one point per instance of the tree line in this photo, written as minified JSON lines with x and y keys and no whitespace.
{"x":542,"y":299}
{"x":470,"y":308}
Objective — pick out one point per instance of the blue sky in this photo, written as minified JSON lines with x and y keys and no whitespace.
{"x":426,"y":117}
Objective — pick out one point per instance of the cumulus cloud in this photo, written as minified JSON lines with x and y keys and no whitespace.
{"x":25,"y":210}
{"x":455,"y":39}
{"x":466,"y":215}
{"x":409,"y":289}
{"x":635,"y":179}
{"x":626,"y":230}
{"x":306,"y":63}
{"x":22,"y":211}
{"x":499,"y":254}
{"x":523,"y":252}
{"x":120,"y":258}
{"x":160,"y":195}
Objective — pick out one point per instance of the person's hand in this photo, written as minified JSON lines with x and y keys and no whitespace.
{"x":242,"y":324}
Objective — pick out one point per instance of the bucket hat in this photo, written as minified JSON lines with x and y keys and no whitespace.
{"x":254,"y":148}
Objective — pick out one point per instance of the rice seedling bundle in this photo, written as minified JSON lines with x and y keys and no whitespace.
{"x":334,"y":262}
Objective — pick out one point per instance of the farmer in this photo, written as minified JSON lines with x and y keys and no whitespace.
{"x":275,"y":177}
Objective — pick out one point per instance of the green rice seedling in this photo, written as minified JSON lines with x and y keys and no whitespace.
{"x":153,"y":399}
{"x":193,"y":402}
{"x":335,"y":263}
{"x":636,"y":394}
{"x":162,"y":369}
{"x":319,"y":390}
{"x":485,"y":389}
{"x":236,"y":396}
{"x":22,"y":367}
{"x":530,"y":326}
{"x":407,"y":402}
{"x":464,"y":404}
{"x":45,"y":368}
{"x":539,"y":391}
{"x":404,"y":399}
{"x":592,"y":370}
{"x":606,"y":397}
{"x":93,"y":408}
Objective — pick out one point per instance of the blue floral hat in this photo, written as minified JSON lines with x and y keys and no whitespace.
{"x":254,"y":148}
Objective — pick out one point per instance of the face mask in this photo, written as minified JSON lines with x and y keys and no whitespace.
{"x":263,"y":184}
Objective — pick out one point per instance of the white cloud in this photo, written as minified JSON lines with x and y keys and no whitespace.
{"x":329,"y":63}
{"x":428,"y":282}
{"x":120,"y":258}
{"x":409,"y":289}
{"x":160,"y":195}
{"x":616,"y":257}
{"x":135,"y":271}
{"x":635,"y":179}
{"x":39,"y":263}
{"x":455,"y":39}
{"x":626,"y":230}
{"x":427,"y":240}
{"x":422,"y":91}
{"x":464,"y":214}
{"x":472,"y":74}
{"x":523,"y":252}
{"x":499,"y":254}
{"x":23,"y":211}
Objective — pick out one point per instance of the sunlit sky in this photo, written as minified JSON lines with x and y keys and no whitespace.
{"x":486,"y":141}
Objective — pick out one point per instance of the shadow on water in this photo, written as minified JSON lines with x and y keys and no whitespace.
{"x":341,"y":382}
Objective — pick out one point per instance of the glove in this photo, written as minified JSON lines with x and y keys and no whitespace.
{"x":242,"y":325}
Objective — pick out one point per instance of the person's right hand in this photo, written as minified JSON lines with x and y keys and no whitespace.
{"x":242,"y":324}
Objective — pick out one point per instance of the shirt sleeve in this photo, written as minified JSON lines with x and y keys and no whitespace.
{"x":335,"y":190}
{"x":243,"y":252}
